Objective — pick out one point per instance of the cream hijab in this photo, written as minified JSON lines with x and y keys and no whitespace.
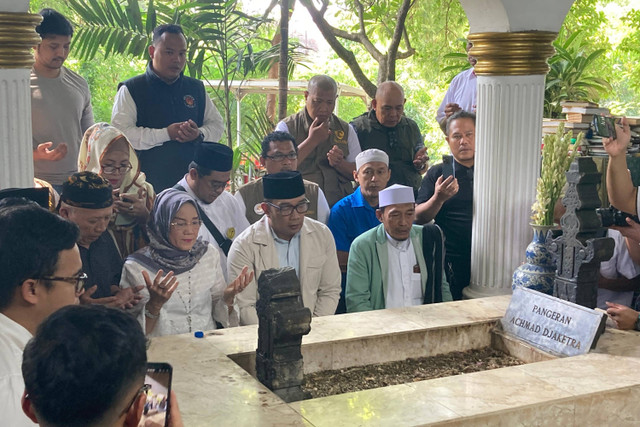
{"x":95,"y":143}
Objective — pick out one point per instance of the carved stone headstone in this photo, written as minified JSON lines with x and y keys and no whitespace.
{"x":282,"y":321}
{"x":583,"y":245}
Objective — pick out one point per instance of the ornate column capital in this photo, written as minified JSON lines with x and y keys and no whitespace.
{"x":512,"y":54}
{"x":17,"y":38}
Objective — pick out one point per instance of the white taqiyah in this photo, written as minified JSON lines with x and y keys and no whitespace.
{"x":395,"y":195}
{"x":371,"y":155}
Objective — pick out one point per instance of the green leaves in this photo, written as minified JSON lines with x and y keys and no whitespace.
{"x":571,"y":76}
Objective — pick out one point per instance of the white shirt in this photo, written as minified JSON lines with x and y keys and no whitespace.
{"x":405,"y":286}
{"x":288,"y":251}
{"x":125,"y":115}
{"x":323,"y":205}
{"x":195,"y":303}
{"x":620,"y":264}
{"x":13,"y":339}
{"x":462,"y":91}
{"x":352,"y":142}
{"x":226,"y":214}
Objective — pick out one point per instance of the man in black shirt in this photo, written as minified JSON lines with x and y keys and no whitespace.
{"x":87,"y":201}
{"x":446,"y":195}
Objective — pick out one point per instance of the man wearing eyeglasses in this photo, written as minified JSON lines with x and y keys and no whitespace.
{"x":386,"y":128}
{"x":446,"y":195}
{"x":280,"y":153}
{"x":41,"y":272}
{"x":327,"y":145}
{"x":87,"y":201}
{"x":70,"y":380}
{"x":284,"y":237}
{"x":223,"y":217}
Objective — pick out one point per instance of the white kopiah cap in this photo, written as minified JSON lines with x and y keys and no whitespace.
{"x":395,"y":195}
{"x":371,"y":155}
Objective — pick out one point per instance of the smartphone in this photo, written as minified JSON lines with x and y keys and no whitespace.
{"x":156,"y":408}
{"x":448,"y":167}
{"x":604,"y":126}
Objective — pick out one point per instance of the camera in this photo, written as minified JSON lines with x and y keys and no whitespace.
{"x":612,"y":216}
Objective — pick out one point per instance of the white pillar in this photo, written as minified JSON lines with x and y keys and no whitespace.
{"x":18,"y":37}
{"x":511,"y":68}
{"x":507,"y":163}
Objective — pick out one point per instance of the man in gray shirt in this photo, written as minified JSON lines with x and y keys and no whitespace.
{"x":60,"y":103}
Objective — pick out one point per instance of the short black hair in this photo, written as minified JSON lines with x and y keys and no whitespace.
{"x":276,"y":136}
{"x":166,"y":28}
{"x":31,"y":239}
{"x":460,"y":114}
{"x":81,"y":363}
{"x":53,"y":24}
{"x":200,"y":170}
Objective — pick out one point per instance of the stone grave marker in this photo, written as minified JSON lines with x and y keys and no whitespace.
{"x":282,"y":321}
{"x":553,"y":325}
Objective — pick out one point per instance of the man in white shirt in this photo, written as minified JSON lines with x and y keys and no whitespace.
{"x":396,"y":264}
{"x":41,"y":272}
{"x":285,"y":237}
{"x":163,"y":113}
{"x":223,"y":217}
{"x":461,"y":94}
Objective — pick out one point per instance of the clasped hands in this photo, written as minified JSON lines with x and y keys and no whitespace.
{"x":183,"y":131}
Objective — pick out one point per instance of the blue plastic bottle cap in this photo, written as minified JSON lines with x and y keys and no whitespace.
{"x":198,"y":334}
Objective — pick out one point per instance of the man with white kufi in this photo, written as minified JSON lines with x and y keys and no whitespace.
{"x":356,"y":213}
{"x":396,"y":264}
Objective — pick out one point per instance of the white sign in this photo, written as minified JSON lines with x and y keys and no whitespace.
{"x":551,"y":324}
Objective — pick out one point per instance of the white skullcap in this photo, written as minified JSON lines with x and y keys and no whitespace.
{"x":371,"y":155}
{"x":395,"y":195}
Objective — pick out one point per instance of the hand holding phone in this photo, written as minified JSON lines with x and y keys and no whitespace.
{"x":156,"y":410}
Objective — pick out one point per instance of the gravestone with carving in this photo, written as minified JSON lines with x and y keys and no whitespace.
{"x":282,"y":321}
{"x":583,"y":245}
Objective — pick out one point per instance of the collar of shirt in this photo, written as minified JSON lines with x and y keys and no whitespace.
{"x":360,"y":202}
{"x":401,"y":245}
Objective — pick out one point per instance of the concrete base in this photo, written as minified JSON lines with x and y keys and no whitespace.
{"x":600,"y":388}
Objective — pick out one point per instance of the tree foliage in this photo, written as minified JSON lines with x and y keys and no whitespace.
{"x":372,"y":27}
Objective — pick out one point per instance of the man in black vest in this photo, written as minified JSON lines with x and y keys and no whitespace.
{"x":164,"y":113}
{"x":386,"y":128}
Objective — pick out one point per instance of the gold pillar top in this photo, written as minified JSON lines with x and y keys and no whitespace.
{"x":512,"y":54}
{"x":17,"y":38}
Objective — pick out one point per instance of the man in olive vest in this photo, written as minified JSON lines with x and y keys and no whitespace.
{"x":327,"y":145}
{"x":280,"y":153}
{"x":386,"y":128}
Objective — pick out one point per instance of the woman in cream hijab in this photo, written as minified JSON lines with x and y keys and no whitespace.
{"x":106,"y":151}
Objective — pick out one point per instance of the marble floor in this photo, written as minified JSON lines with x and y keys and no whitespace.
{"x":599,"y":388}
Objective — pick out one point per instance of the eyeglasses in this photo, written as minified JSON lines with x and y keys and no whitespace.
{"x":145,"y":388}
{"x":218,"y":185}
{"x":182,"y":225}
{"x":280,"y":157}
{"x":79,"y":281}
{"x":287,"y":209}
{"x":113,"y":169}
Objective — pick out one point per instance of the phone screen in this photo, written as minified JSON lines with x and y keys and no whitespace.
{"x":156,"y":408}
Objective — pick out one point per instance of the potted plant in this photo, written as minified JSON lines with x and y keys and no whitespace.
{"x":558,"y":151}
